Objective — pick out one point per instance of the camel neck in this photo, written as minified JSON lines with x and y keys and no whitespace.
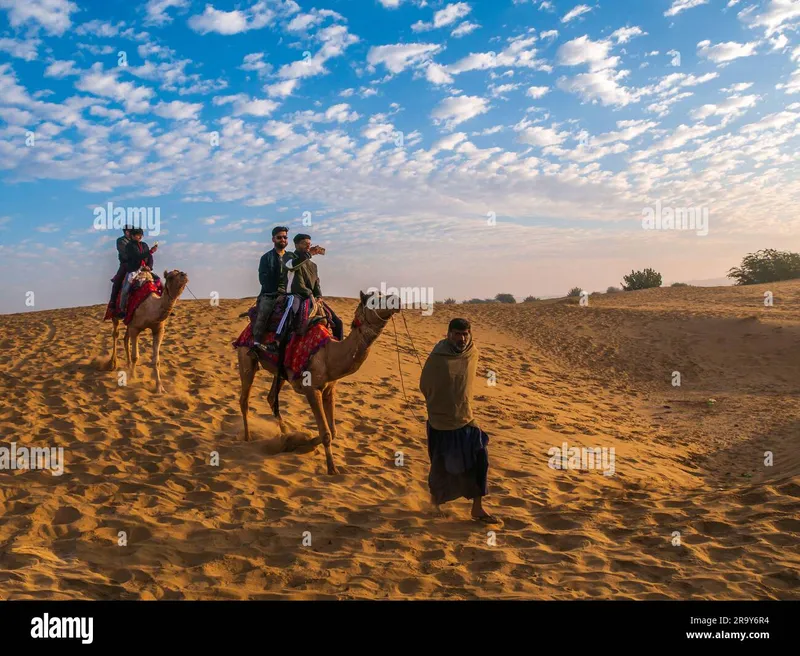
{"x":167,"y":302}
{"x":349,"y":354}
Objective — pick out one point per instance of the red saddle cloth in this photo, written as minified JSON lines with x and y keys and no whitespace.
{"x":135,"y":298}
{"x":299,"y":350}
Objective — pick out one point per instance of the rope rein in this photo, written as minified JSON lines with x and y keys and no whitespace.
{"x":400,"y":368}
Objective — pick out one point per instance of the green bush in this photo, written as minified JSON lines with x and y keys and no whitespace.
{"x":680,"y":284}
{"x":767,"y":265}
{"x":575,"y":291}
{"x":475,"y":300}
{"x":642,"y":280}
{"x":505,"y":298}
{"x":531,"y":299}
{"x":613,"y":290}
{"x":449,"y":301}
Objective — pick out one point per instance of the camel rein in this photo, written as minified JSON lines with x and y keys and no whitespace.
{"x":399,"y":366}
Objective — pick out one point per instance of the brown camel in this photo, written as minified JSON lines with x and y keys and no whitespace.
{"x":333,"y":361}
{"x":152,"y":313}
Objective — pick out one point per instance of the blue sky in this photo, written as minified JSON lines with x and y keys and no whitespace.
{"x":473,"y":147}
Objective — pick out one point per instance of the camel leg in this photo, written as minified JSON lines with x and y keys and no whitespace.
{"x":329,"y":405}
{"x":115,"y":336}
{"x":158,"y":335}
{"x":133,"y":335}
{"x":314,"y":397}
{"x":247,"y":373}
{"x":127,"y":341}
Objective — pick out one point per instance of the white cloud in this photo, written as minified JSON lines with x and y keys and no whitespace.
{"x":180,"y":111}
{"x":537,"y":92}
{"x":779,"y":15}
{"x":730,"y":108}
{"x":456,"y":109}
{"x":255,"y":62}
{"x":302,"y":22}
{"x":725,"y":52}
{"x":396,"y":58}
{"x":449,"y":142}
{"x":106,"y":85}
{"x":549,"y":34}
{"x":682,"y":5}
{"x":625,"y":34}
{"x":437,"y":74}
{"x":157,"y":10}
{"x":498,"y":91}
{"x":602,"y":82}
{"x":236,"y":21}
{"x":26,"y":50}
{"x":444,"y":17}
{"x":52,"y":15}
{"x":59,"y":68}
{"x":48,"y":227}
{"x":98,"y":28}
{"x":518,"y":53}
{"x":575,"y":12}
{"x":242,"y":104}
{"x":779,"y":42}
{"x":464,"y":29}
{"x":281,"y":89}
{"x":542,"y":137}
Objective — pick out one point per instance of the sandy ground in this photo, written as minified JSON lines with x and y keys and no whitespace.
{"x":690,"y":512}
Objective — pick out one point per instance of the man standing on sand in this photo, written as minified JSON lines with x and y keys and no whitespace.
{"x":457,"y":447}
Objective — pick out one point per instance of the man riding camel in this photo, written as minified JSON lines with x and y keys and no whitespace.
{"x":138,"y":255}
{"x":273,"y":278}
{"x":119,"y":276}
{"x":305,"y":277}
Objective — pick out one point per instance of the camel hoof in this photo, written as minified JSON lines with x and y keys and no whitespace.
{"x":160,"y":390}
{"x":332,"y":471}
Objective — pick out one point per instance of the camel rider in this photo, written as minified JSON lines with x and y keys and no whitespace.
{"x":273,"y":278}
{"x":305,"y":277}
{"x":138,"y":255}
{"x":119,"y":276}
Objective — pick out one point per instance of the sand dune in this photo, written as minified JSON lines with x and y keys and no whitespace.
{"x":596,"y":376}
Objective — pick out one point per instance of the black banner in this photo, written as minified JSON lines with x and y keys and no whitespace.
{"x":564,"y":624}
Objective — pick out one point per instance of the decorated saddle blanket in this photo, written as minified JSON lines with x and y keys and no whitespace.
{"x":141,"y":288}
{"x":299,"y":349}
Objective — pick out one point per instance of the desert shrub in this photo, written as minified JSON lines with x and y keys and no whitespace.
{"x":767,"y":265}
{"x":642,"y":280}
{"x":575,"y":291}
{"x":613,"y":290}
{"x":475,"y":300}
{"x":505,"y":298}
{"x":449,"y":301}
{"x":531,"y":299}
{"x":680,"y":284}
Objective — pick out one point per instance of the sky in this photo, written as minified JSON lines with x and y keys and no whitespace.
{"x":476,"y":148}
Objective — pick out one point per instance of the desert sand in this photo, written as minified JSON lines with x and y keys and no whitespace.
{"x":595,"y":376}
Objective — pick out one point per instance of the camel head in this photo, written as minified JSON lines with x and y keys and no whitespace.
{"x":376,"y":309}
{"x":175,"y":282}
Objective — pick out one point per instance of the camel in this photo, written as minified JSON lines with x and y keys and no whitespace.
{"x":152,"y":313}
{"x":333,"y":361}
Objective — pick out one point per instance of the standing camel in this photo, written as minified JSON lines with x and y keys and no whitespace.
{"x":333,"y":361}
{"x":152,"y":313}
